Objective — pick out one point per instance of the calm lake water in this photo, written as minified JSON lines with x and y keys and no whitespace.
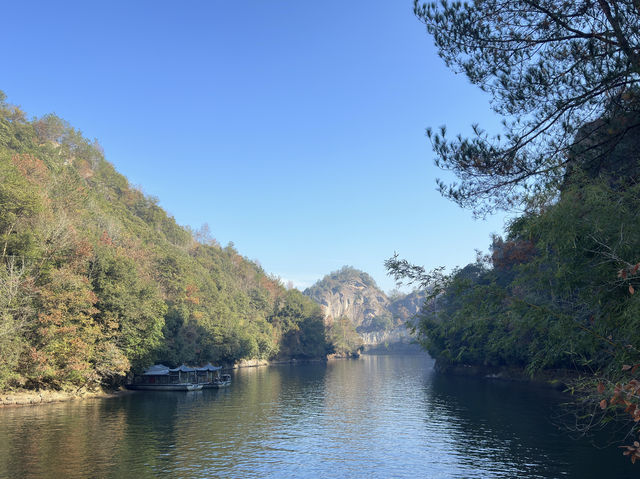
{"x":377,"y":417}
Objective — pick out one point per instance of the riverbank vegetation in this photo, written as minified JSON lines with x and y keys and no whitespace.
{"x":559,"y":289}
{"x":97,"y":279}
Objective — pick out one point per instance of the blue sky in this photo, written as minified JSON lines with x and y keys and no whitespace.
{"x":294,"y":129}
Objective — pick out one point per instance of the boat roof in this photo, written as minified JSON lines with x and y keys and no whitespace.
{"x":183,"y":368}
{"x":156,"y":370}
{"x":209,"y":367}
{"x":162,"y":370}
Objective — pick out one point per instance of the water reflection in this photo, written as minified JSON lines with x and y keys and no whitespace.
{"x":379,"y":417}
{"x":512,"y":430}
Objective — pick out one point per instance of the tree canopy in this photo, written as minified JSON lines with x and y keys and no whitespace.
{"x":552,"y":67}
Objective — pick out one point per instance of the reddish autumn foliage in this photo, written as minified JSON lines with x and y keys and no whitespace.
{"x":191,"y":294}
{"x":106,"y":239}
{"x":507,"y":254}
{"x":32,"y":168}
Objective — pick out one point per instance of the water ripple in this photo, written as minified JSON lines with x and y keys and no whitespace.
{"x":379,"y":417}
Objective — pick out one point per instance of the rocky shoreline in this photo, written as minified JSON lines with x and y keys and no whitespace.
{"x":33,"y":398}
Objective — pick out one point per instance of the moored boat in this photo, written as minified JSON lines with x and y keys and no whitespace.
{"x":209,"y":376}
{"x":222,"y":382}
{"x":162,"y":378}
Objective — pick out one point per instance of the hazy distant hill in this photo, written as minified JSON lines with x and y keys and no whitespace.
{"x":353,"y":294}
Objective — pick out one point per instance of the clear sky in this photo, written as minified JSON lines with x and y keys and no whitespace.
{"x":294,"y":129}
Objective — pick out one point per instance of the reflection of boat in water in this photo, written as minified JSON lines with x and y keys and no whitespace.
{"x":183,"y":378}
{"x":221,"y":382}
{"x":164,"y":387}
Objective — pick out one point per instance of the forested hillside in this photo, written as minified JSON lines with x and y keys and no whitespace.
{"x":558,"y":292}
{"x":97,"y":279}
{"x":559,"y":289}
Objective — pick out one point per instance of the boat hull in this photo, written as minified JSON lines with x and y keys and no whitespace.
{"x":164,"y":387}
{"x":216,"y":385}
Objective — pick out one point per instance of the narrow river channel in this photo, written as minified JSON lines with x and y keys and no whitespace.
{"x":377,"y":417}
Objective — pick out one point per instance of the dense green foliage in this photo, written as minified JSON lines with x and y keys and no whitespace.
{"x":563,"y":75}
{"x":557,"y":292}
{"x":97,"y":279}
{"x":548,"y":296}
{"x":336,"y":279}
{"x":344,"y":337}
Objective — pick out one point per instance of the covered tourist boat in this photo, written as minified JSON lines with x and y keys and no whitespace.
{"x":162,"y":378}
{"x":209,"y":376}
{"x":223,"y":381}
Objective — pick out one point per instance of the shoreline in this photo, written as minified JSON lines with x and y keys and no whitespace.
{"x":19,"y":398}
{"x":557,"y":379}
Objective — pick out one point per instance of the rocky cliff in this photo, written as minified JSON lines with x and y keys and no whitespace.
{"x":376,"y":317}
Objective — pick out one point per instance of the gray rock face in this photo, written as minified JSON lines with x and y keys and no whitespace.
{"x":377,"y":318}
{"x":399,"y":334}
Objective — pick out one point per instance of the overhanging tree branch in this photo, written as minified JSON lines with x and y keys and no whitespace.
{"x":551,"y":67}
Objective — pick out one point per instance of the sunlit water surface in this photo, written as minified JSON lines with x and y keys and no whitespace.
{"x":377,"y":417}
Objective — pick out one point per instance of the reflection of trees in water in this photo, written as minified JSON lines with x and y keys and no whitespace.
{"x":60,"y":440}
{"x":352,"y":392}
{"x":152,"y":418}
{"x":151,"y":434}
{"x":515,"y":424}
{"x":229,"y":430}
{"x":366,"y":400}
{"x":385,"y":410}
{"x":132,"y":436}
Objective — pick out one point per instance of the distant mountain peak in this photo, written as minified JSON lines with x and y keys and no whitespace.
{"x":352,"y":293}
